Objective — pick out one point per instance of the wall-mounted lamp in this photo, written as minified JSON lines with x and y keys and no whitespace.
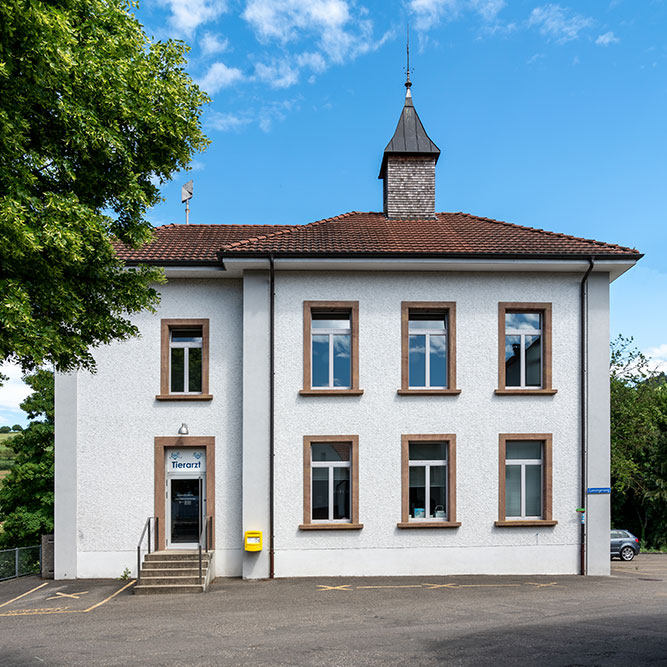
{"x":183,"y":430}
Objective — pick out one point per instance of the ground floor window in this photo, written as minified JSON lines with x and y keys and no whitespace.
{"x":524,"y":483}
{"x":428,"y":480}
{"x":331,"y":482}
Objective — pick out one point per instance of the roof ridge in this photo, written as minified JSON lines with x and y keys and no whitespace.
{"x":292,"y":228}
{"x":174,"y":225}
{"x":539,"y":230}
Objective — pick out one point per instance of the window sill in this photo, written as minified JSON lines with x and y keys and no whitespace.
{"x":331,"y":392}
{"x":429,"y":524}
{"x":184,"y":397}
{"x":528,"y":522}
{"x":331,"y":526}
{"x":429,"y":392}
{"x":525,"y":392}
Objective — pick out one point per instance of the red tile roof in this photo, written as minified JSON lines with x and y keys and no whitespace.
{"x":364,"y":234}
{"x":193,"y":243}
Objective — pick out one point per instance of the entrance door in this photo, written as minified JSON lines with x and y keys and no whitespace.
{"x":185,"y":497}
{"x":185,"y":509}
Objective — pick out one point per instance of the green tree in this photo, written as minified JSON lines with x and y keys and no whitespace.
{"x":5,"y":429}
{"x":17,"y":427}
{"x":26,"y":494}
{"x":638,"y":444}
{"x":93,"y":114}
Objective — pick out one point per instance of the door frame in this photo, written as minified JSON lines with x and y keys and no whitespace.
{"x":167,"y":442}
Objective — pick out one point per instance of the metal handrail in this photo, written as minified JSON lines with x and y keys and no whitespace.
{"x":156,"y":531}
{"x":206,"y":537}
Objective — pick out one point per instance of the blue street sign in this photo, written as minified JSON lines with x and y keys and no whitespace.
{"x":599,"y":489}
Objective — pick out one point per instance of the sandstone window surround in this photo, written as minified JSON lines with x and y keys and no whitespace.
{"x":331,"y":348}
{"x":428,"y":481}
{"x":184,"y":360}
{"x":525,"y":480}
{"x":331,"y":482}
{"x":524,"y":349}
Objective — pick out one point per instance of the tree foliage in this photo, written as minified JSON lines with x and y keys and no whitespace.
{"x":92,"y":115}
{"x":26,"y":494}
{"x":638,"y":444}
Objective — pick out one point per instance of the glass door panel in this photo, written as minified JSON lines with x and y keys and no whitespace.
{"x":185,"y":510}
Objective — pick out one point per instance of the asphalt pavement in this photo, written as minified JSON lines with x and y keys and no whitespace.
{"x":568,"y":621}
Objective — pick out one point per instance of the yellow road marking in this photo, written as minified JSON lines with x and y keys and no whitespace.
{"x":434,"y":586}
{"x":113,"y":595}
{"x":60,"y":594}
{"x":343,"y":587}
{"x":538,"y":585}
{"x":402,"y":586}
{"x":63,"y":610}
{"x":18,"y":597}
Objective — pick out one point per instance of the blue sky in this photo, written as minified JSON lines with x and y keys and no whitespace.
{"x":547,"y":114}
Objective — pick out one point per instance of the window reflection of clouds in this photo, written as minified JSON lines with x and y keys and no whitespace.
{"x":522,"y":321}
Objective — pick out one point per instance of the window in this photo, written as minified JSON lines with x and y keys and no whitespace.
{"x":331,"y":481}
{"x":524,"y":348}
{"x":331,"y":348}
{"x":184,"y":360}
{"x":525,"y":480}
{"x":428,"y":348}
{"x":428,"y":481}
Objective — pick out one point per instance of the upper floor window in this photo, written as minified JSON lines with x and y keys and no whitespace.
{"x":428,"y":342}
{"x":331,"y":340}
{"x":184,"y":360}
{"x":525,"y":347}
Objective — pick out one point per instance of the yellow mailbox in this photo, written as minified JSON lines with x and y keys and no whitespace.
{"x":253,"y":540}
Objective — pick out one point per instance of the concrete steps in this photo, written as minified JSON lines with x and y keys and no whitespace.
{"x":165,"y":572}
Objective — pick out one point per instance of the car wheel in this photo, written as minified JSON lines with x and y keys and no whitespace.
{"x":627,"y":553}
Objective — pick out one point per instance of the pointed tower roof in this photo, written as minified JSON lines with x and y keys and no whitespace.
{"x":410,"y":137}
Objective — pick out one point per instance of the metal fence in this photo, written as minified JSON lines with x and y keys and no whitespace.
{"x":20,"y":562}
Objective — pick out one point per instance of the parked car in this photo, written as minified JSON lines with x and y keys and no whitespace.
{"x":624,"y":544}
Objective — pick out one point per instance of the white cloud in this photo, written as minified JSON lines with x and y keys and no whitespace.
{"x":211,"y":43}
{"x":607,"y":39}
{"x":338,"y":29}
{"x":226,"y":121}
{"x":535,"y":58}
{"x":219,"y":76}
{"x":188,"y":15}
{"x":557,"y":23}
{"x":430,"y":12}
{"x":658,"y":353}
{"x":279,"y":73}
{"x":12,"y":394}
{"x":283,"y":19}
{"x":264,"y":117}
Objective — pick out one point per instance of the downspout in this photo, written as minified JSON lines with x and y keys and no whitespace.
{"x":271,"y":414}
{"x":584,"y":409}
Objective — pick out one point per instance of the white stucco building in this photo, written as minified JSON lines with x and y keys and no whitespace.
{"x":392,"y":393}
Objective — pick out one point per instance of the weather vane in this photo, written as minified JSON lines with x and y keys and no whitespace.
{"x":186,"y":196}
{"x":408,"y":83}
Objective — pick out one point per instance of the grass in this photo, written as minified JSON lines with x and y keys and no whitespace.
{"x":7,"y":455}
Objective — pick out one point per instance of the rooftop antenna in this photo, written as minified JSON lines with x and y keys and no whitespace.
{"x":186,"y":196}
{"x":408,"y":83}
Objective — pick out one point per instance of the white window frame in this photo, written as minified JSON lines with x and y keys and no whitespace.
{"x":522,"y":353}
{"x":186,"y":346}
{"x":427,"y":352}
{"x":331,"y":465}
{"x":331,"y":332}
{"x":426,"y":464}
{"x":523,"y":463}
